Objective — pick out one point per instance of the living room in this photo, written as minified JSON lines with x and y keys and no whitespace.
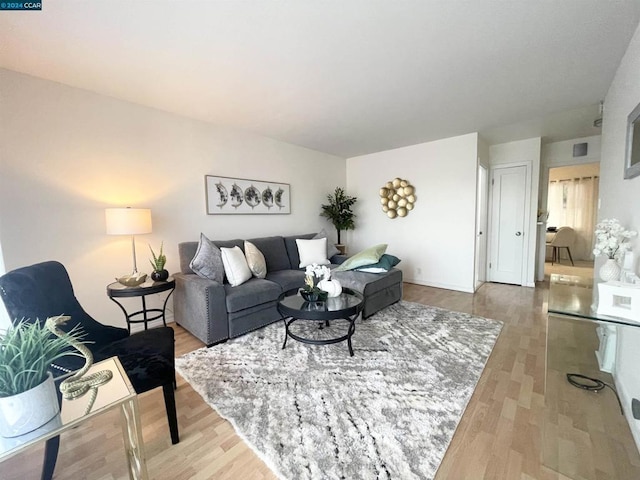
{"x":74,"y":141}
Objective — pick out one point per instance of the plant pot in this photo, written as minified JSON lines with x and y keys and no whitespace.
{"x":319,"y":296}
{"x":341,"y":248}
{"x":610,"y":270}
{"x":159,"y":275}
{"x":27,"y":411}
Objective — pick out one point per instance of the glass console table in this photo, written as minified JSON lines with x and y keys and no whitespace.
{"x":117,"y":393}
{"x":585,"y":435}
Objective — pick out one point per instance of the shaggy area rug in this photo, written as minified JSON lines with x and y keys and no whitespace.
{"x":314,"y":412}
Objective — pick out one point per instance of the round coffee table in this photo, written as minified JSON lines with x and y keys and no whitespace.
{"x":347,"y":306}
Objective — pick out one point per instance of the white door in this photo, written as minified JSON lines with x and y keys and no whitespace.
{"x":508,"y":193}
{"x":481,"y":227}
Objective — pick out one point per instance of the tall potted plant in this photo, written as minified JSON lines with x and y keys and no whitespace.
{"x":28,"y":397}
{"x":339,"y":212}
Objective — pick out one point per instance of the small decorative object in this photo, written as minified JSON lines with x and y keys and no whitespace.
{"x":332,"y":287}
{"x":619,"y":300}
{"x":610,"y":270}
{"x":28,"y":397}
{"x":77,"y":385}
{"x":133,"y":280}
{"x":339,"y":212}
{"x":612,"y":240}
{"x":311,"y":291}
{"x":159,"y":274}
{"x":397,"y":198}
{"x":236,"y":196}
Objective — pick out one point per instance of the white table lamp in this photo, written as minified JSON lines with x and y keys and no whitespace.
{"x":128,"y":221}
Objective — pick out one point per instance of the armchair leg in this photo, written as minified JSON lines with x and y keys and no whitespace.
{"x":170,"y":404}
{"x":570,"y":257}
{"x":50,"y":457}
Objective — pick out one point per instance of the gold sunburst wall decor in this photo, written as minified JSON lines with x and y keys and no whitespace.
{"x":398,"y":198}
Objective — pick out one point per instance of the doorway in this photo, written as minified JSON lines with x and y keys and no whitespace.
{"x":572,"y":201}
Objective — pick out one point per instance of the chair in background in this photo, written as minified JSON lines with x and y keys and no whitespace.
{"x":44,"y":290}
{"x":563,"y":238}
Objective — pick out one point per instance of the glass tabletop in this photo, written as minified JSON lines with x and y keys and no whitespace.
{"x":72,"y":412}
{"x":574,"y":296}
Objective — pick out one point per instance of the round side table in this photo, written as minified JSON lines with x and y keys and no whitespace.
{"x":116,"y":290}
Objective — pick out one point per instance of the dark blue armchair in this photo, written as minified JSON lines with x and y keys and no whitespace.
{"x":44,"y":290}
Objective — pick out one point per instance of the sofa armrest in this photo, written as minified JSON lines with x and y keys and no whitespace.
{"x":338,"y":258}
{"x":199,"y":305}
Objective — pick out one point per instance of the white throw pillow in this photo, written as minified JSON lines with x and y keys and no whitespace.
{"x":235,"y":266}
{"x":312,"y":251}
{"x":255,"y":260}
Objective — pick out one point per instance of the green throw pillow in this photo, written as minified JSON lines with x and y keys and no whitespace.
{"x":386,"y":263}
{"x":365,"y":257}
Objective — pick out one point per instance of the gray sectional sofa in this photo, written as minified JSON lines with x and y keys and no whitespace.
{"x":215,"y":312}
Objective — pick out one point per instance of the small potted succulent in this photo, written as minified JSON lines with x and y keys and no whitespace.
{"x":158,"y":262}
{"x":28,"y":397}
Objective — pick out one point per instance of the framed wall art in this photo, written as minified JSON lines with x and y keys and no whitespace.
{"x":632,"y":153}
{"x":232,"y":196}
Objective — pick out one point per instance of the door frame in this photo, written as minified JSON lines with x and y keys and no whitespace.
{"x":527,"y":219}
{"x":482,"y":224}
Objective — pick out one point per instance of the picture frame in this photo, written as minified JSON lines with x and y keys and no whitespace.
{"x":237,"y":196}
{"x":632,"y":152}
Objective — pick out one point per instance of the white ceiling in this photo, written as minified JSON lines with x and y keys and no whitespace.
{"x":347,"y":77}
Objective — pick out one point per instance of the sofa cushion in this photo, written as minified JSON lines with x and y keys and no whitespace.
{"x":187,"y":250}
{"x":235,"y":266}
{"x":331,"y":248}
{"x":207,"y":261}
{"x":253,"y":292}
{"x":255,"y":260}
{"x":386,"y":263}
{"x":312,"y":251}
{"x":367,"y":283}
{"x":274,"y":251}
{"x":292,"y":248}
{"x":367,"y":256}
{"x":287,"y":279}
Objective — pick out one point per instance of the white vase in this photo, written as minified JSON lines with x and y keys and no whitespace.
{"x":332,"y":287}
{"x":26,"y":411}
{"x":610,"y":270}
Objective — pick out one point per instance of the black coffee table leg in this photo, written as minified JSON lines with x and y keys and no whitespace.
{"x":286,"y":332}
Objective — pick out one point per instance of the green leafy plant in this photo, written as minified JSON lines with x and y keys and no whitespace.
{"x":27,"y":350}
{"x":339,"y":212}
{"x":159,"y":260}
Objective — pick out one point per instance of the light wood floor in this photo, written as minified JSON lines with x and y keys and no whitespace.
{"x":499,"y":436}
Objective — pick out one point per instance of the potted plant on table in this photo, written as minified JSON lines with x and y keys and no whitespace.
{"x":315,"y":274}
{"x":612,"y":240}
{"x":28,"y":397}
{"x":158,"y":262}
{"x":339,"y":212}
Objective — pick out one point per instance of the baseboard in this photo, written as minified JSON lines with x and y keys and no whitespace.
{"x":625,"y":399}
{"x":446,"y":286}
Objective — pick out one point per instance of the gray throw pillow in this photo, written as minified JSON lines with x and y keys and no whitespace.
{"x":207,"y":261}
{"x":331,"y":248}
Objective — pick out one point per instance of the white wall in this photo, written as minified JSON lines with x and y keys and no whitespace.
{"x":621,"y":199}
{"x":524,"y":151}
{"x":68,"y":153}
{"x":436,"y":240}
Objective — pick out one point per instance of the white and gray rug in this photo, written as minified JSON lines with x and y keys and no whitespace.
{"x":314,"y":412}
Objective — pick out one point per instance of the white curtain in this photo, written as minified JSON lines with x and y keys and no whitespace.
{"x":572,"y":203}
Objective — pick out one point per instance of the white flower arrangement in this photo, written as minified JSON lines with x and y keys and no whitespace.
{"x":611,"y":238}
{"x":314,"y":273}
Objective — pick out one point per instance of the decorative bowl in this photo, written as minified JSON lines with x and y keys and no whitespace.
{"x":318,"y":296}
{"x":132,"y":280}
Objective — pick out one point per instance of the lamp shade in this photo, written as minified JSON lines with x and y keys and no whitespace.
{"x":128,"y":221}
